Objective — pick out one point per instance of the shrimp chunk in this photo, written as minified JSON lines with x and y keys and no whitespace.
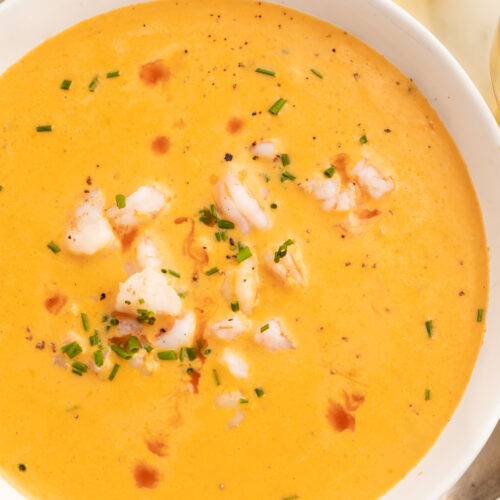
{"x":89,"y":231}
{"x":347,"y":198}
{"x":180,"y":334}
{"x":140,"y":207}
{"x":147,"y":254}
{"x":273,"y":337}
{"x":148,"y":289}
{"x":236,"y":419}
{"x":290,"y":268}
{"x":239,"y":205}
{"x":228,"y":329}
{"x":228,"y":399}
{"x":372,"y":180}
{"x":235,"y":363}
{"x":265,"y":149}
{"x":241,"y":283}
{"x":144,"y":362}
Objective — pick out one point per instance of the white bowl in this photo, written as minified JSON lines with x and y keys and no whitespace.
{"x":24,"y":24}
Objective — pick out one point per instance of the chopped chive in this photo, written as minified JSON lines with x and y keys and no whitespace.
{"x":66,"y":84}
{"x":235,"y":306}
{"x":218,"y":237}
{"x":79,"y":367}
{"x":427,"y":394}
{"x":114,"y":321}
{"x":104,"y":319}
{"x":213,"y":210}
{"x":190,"y":370}
{"x":243,"y":401}
{"x":146,"y":316}
{"x":276,"y":107}
{"x":121,"y":352}
{"x":316,"y":72}
{"x":216,"y":377}
{"x":21,"y":467}
{"x":128,"y":302}
{"x":223,"y":235}
{"x":98,"y":358}
{"x":212,"y":271}
{"x":329,"y":171}
{"x":85,"y":322}
{"x":363,"y":139}
{"x":164,"y":271}
{"x":207,"y":352}
{"x":72,"y":349}
{"x":266,"y":178}
{"x":285,"y":159}
{"x":1,"y":187}
{"x":167,"y":355}
{"x":141,"y":301}
{"x":174,"y":273}
{"x":480,"y":315}
{"x":93,"y":83}
{"x":94,"y":339}
{"x":182,"y":294}
{"x":199,"y":343}
{"x":265,"y":71}
{"x":259,"y":391}
{"x":243,"y":254}
{"x":287,"y":176}
{"x":53,"y":247}
{"x":191,"y":353}
{"x":114,"y":371}
{"x":181,"y":353}
{"x":147,"y":347}
{"x":112,"y":74}
{"x":274,"y":206}
{"x":225,"y":224}
{"x":120,"y":201}
{"x":282,"y":250}
{"x":44,"y":128}
{"x":429,"y":327}
{"x":264,"y":327}
{"x":133,"y":344}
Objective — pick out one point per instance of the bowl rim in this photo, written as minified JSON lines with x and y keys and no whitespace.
{"x":421,"y":43}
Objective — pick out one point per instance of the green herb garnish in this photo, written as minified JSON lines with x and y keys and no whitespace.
{"x":72,"y":349}
{"x":429,"y":327}
{"x":427,"y":394}
{"x":85,"y":322}
{"x":112,"y":74}
{"x":167,"y":355}
{"x":212,"y":271}
{"x":282,"y":250}
{"x":235,"y":306}
{"x":225,"y":224}
{"x":94,"y":339}
{"x":44,"y":128}
{"x":66,"y":84}
{"x":264,"y":327}
{"x":79,"y":368}
{"x":93,"y":83}
{"x":133,"y":344}
{"x":191,"y":353}
{"x":121,"y":352}
{"x":146,"y":316}
{"x":274,"y":206}
{"x":120,"y":201}
{"x":114,"y":371}
{"x":265,"y":72}
{"x":216,"y":377}
{"x":259,"y":391}
{"x":21,"y":467}
{"x":287,"y":176}
{"x":480,"y":313}
{"x":174,"y":273}
{"x":277,"y":106}
{"x":52,"y":246}
{"x":243,"y":254}
{"x":316,"y":72}
{"x":243,"y":401}
{"x":363,"y":139}
{"x":98,"y":358}
{"x":329,"y":171}
{"x":285,"y":159}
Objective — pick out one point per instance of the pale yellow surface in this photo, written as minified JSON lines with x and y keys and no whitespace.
{"x":359,"y":325}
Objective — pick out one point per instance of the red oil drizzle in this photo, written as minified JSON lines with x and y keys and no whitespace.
{"x":339,"y":418}
{"x":146,"y":476}
{"x":195,"y":380}
{"x":154,"y":72}
{"x":55,"y":303}
{"x":160,"y":145}
{"x":365,"y":213}
{"x":157,"y":447}
{"x":127,"y":239}
{"x":234,"y":125}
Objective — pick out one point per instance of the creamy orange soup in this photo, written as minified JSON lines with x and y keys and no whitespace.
{"x":242,"y":258}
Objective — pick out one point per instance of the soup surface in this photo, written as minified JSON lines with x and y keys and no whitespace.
{"x":242,"y":258}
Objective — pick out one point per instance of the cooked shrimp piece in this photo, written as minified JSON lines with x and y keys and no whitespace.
{"x":147,"y":254}
{"x":236,"y":419}
{"x":241,"y":284}
{"x":228,"y":399}
{"x":148,"y":289}
{"x":235,"y":363}
{"x":180,"y":334}
{"x":265,"y":149}
{"x":228,"y":329}
{"x":272,"y":335}
{"x":89,"y":231}
{"x":145,"y":362}
{"x":290,"y":268}
{"x":347,"y":198}
{"x":140,"y":207}
{"x":372,"y":180}
{"x":326,"y":190}
{"x":239,"y":205}
{"x":128,"y":326}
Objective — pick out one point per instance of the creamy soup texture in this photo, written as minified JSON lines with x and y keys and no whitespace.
{"x":242,"y":258}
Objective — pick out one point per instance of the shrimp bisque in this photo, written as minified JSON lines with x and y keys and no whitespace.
{"x":242,"y":259}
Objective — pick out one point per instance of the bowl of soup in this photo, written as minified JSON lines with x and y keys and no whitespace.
{"x":250,"y":250}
